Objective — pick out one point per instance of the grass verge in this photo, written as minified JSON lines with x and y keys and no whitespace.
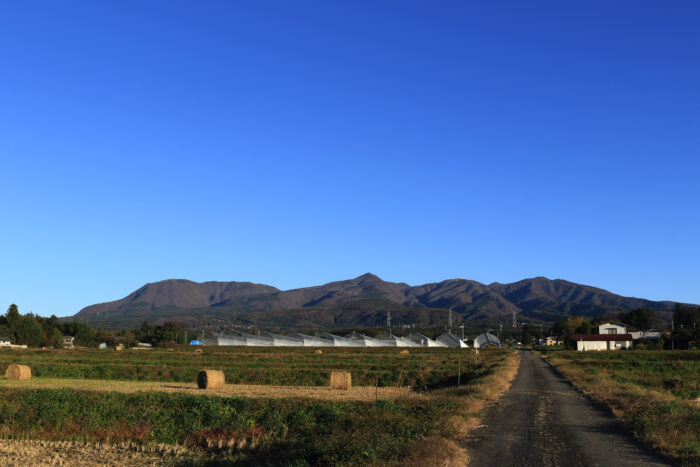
{"x":655,"y":393}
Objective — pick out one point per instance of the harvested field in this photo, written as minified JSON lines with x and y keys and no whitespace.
{"x":250,"y":424}
{"x":422,"y":368}
{"x":230,"y":390}
{"x":31,"y":452}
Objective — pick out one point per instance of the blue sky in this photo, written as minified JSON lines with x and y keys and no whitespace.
{"x":297,"y":143}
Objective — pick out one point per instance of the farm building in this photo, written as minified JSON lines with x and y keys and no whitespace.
{"x":424,"y":341}
{"x":485,"y":340}
{"x":611,"y":341}
{"x":326,"y":339}
{"x":396,"y":341}
{"x":552,"y":341}
{"x":68,"y":341}
{"x":650,"y":335}
{"x":5,"y":341}
{"x":611,"y":336}
{"x":450,"y":340}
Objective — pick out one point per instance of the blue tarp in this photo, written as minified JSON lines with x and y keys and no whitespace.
{"x":195,"y":342}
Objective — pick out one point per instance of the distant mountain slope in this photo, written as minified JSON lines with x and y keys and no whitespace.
{"x":179,"y":294}
{"x":361,"y":301}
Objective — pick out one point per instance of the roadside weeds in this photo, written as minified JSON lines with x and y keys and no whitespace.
{"x":444,"y":449}
{"x":669,"y":424}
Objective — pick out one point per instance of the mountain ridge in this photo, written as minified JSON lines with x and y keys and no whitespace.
{"x":361,"y":301}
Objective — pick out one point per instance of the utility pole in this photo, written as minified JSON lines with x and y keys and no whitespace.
{"x":388,"y":321}
{"x":515,"y":322}
{"x":449,"y":321}
{"x":462,"y":326}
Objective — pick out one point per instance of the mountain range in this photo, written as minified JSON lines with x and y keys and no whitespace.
{"x":359,"y":302}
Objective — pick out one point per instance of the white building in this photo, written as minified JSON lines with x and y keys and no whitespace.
{"x":612,"y":328}
{"x":5,"y":341}
{"x":609,"y":341}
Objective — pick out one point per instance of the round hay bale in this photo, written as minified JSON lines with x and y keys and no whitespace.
{"x":341,"y":380}
{"x":404,"y":352}
{"x":211,"y":379}
{"x":18,"y":372}
{"x":198,"y":350}
{"x":318,"y":351}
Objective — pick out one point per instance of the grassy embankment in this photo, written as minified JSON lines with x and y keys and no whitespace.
{"x":281,"y":431}
{"x":655,"y":393}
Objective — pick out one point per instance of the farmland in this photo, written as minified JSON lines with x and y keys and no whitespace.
{"x":655,"y":393}
{"x":420,"y":368}
{"x":147,"y":399}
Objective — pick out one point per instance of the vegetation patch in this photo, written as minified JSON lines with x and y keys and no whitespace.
{"x":655,"y":393}
{"x":289,"y":431}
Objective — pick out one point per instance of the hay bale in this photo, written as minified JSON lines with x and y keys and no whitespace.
{"x":198,"y":350}
{"x":18,"y":372}
{"x":404,"y":352}
{"x":341,"y":380}
{"x":211,"y":379}
{"x":318,"y":351}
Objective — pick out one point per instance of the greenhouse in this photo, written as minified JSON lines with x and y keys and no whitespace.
{"x":325,"y":339}
{"x":486,"y":339}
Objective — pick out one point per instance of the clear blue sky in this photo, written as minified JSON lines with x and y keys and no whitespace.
{"x":297,"y":143}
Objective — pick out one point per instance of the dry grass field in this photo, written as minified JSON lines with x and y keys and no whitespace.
{"x":355,"y":393}
{"x":14,"y":453}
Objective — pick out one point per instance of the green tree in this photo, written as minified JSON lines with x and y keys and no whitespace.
{"x":55,"y":340}
{"x":84,"y":335}
{"x":641,"y":319}
{"x":527,"y":335}
{"x":29,"y":332}
{"x":12,"y":317}
{"x":567,"y":329}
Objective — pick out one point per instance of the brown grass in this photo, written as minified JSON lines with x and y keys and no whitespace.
{"x":444,"y":449}
{"x":436,"y":451}
{"x":30,"y":452}
{"x":657,"y":418}
{"x":358,"y":393}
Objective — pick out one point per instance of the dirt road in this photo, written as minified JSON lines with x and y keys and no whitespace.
{"x":543,"y":421}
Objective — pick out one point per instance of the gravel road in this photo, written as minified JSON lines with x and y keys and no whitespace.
{"x":544,"y":421}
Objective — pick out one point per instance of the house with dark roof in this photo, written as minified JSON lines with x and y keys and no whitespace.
{"x":611,"y":336}
{"x":5,"y":341}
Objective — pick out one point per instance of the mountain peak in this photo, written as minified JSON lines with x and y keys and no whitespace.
{"x":368,"y":278}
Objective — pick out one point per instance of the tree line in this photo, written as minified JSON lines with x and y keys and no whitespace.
{"x":35,"y":331}
{"x":684,"y":332}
